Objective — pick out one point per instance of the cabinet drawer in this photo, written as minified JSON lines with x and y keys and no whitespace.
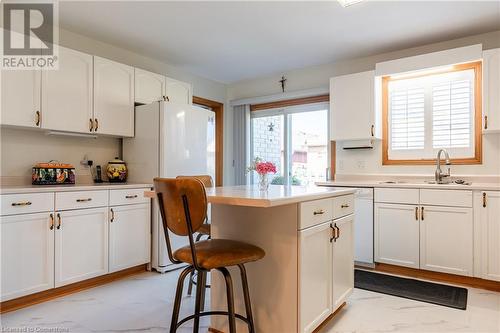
{"x":315,"y":212}
{"x":343,"y":205}
{"x":26,"y":203}
{"x":81,"y":199}
{"x":127,"y":196}
{"x":453,"y":198}
{"x":397,"y":195}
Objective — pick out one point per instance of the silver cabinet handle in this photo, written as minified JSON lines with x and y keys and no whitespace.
{"x":26,"y":203}
{"x":319,"y":212}
{"x":131,"y":196}
{"x":84,"y":200}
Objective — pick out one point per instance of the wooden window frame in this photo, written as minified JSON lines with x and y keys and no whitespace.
{"x":218,"y":108}
{"x":478,"y":114}
{"x":290,"y":102}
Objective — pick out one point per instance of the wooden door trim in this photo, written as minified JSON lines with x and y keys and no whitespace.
{"x":290,"y":102}
{"x":218,"y":108}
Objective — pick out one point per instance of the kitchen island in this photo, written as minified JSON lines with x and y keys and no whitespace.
{"x":308,"y":270}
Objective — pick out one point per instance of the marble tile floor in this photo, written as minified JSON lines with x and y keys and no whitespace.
{"x":143,"y":303}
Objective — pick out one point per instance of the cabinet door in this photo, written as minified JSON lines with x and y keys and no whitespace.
{"x":397,"y":234}
{"x":352,"y":107}
{"x":67,"y":93}
{"x":81,"y":245}
{"x":113,"y":97}
{"x":446,"y":235}
{"x":490,"y":235}
{"x":129,"y":236}
{"x":20,"y":98}
{"x":178,"y":91}
{"x":343,"y":260}
{"x":27,"y":257}
{"x":315,"y":276}
{"x":491,"y":89}
{"x":149,"y":87}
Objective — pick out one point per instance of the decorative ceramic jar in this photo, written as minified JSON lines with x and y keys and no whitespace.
{"x":116,"y":171}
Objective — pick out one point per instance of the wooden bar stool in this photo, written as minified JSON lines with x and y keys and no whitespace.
{"x":204,"y":230}
{"x":183,"y":207}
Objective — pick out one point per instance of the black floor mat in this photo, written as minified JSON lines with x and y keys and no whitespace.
{"x":429,"y":292}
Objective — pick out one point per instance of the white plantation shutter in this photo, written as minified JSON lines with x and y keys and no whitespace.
{"x":432,"y":112}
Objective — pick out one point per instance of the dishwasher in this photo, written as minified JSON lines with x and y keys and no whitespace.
{"x":363,"y":227}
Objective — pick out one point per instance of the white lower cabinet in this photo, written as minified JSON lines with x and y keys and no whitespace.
{"x":27,"y":257}
{"x":81,"y":245}
{"x":343,"y":260}
{"x":129,"y":236}
{"x":488,"y":234}
{"x":397,"y":234}
{"x":315,"y":278}
{"x":326,"y":261}
{"x":446,"y":239}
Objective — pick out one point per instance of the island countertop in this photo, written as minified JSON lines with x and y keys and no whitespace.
{"x":277,"y":195}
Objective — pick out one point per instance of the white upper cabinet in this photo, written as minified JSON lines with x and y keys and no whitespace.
{"x":352,"y":107}
{"x":491,"y":90}
{"x":20,"y":98}
{"x":178,"y":91}
{"x":113,"y":98}
{"x":149,"y":87}
{"x":67,"y":93}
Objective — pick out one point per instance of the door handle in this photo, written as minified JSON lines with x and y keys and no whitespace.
{"x":422,"y":217}
{"x":26,"y":203}
{"x":333,"y":233}
{"x":96,"y":126}
{"x":416,"y":213}
{"x":59,"y":221}
{"x":84,"y":200}
{"x":338,"y":232}
{"x":112,"y":215}
{"x":485,"y":122}
{"x":344,"y":206}
{"x":319,"y":212}
{"x":51,"y":222}
{"x":38,"y":118}
{"x":131,"y":196}
{"x":91,"y":125}
{"x":373,"y":130}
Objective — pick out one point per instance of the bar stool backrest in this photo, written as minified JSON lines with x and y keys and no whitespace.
{"x":205,"y":179}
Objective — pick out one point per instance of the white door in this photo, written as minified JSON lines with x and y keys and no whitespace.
{"x":490,"y":235}
{"x":81,"y":245}
{"x":149,"y":87}
{"x":397,"y":234}
{"x":67,"y":93}
{"x":129,"y":236}
{"x":343,"y":260}
{"x":491,"y":96}
{"x":27,"y":257}
{"x":446,"y":235}
{"x":352,"y":106}
{"x":113,"y":98}
{"x":20,"y":98}
{"x":315,"y":276}
{"x":178,"y":91}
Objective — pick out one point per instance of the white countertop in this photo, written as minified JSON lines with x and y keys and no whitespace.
{"x":411,"y":184}
{"x":277,"y":195}
{"x":17,"y":189}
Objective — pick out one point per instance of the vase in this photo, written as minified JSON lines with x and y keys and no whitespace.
{"x":263,"y":182}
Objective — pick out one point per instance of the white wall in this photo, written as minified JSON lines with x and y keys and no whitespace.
{"x":370,"y":161}
{"x":20,"y":149}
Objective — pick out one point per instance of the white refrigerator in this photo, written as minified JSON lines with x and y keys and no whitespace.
{"x":171,"y":139}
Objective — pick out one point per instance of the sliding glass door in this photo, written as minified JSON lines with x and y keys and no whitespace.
{"x":295,"y":139}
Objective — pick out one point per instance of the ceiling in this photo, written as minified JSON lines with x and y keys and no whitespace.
{"x":231,"y":41}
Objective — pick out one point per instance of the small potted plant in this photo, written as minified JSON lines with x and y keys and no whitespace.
{"x":262,"y":168}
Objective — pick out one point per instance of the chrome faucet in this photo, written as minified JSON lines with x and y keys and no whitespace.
{"x":439,"y":175}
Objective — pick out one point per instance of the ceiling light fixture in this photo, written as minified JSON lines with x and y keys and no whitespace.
{"x":347,"y":3}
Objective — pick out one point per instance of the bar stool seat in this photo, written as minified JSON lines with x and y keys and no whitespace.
{"x":215,"y":253}
{"x":204,"y":229}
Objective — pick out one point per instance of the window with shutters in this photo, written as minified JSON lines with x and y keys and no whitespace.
{"x":427,"y":112}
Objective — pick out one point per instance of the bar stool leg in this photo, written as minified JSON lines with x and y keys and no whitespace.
{"x":203,"y":291}
{"x":190,"y":285}
{"x":199,"y":291}
{"x":230,"y":299}
{"x":178,"y":297}
{"x":246,"y":295}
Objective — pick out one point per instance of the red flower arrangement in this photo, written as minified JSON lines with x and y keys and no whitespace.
{"x":263,"y":168}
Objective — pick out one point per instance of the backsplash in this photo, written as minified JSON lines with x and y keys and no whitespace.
{"x":20,"y":149}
